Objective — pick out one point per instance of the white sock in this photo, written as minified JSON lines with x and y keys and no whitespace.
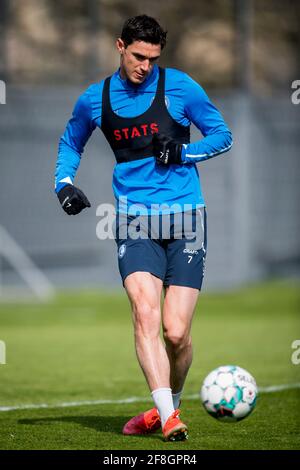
{"x":176,"y":399}
{"x":162,"y":398}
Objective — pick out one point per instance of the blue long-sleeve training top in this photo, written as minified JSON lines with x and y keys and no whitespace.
{"x":143,"y":183}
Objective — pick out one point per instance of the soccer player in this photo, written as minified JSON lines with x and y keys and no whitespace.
{"x":145,"y":112}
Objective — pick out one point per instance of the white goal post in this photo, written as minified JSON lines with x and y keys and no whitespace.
{"x":35,"y":279}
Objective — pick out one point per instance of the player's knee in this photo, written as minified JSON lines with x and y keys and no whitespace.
{"x":177,"y":340}
{"x":146,"y":320}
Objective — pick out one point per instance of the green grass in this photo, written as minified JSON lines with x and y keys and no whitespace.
{"x":80,"y":347}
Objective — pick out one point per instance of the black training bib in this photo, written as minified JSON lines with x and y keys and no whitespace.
{"x":131,"y":138}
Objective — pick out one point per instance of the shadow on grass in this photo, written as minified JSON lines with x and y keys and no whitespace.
{"x":112,"y":424}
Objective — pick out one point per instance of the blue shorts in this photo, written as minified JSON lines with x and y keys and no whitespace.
{"x":172,"y":248}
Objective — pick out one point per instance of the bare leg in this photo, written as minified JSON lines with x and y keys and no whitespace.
{"x":178,"y":310}
{"x":144,"y":292}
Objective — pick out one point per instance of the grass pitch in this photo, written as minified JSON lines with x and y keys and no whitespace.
{"x":80,"y":348}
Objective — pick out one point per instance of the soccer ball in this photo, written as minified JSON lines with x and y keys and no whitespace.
{"x":229,"y":393}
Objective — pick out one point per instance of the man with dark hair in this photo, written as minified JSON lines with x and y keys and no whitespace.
{"x":143,"y":28}
{"x":145,"y":112}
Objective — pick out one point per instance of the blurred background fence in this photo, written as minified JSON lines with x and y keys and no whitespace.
{"x":244,"y":53}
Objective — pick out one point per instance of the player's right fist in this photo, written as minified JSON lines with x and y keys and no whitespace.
{"x":72,"y":199}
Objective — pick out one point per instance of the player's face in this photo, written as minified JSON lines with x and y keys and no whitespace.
{"x":137,"y":60}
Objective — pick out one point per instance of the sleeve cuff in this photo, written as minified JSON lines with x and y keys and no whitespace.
{"x":183,"y":153}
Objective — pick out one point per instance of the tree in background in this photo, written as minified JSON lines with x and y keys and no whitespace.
{"x":45,"y":41}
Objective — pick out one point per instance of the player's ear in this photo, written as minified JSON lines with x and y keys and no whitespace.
{"x":120,"y":45}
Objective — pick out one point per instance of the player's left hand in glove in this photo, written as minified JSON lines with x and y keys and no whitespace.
{"x":72,"y":199}
{"x":166,"y":150}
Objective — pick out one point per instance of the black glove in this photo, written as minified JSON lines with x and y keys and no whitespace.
{"x":166,"y":150}
{"x":72,"y":199}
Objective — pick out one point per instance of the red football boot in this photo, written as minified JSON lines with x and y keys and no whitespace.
{"x":144,"y":423}
{"x":174,"y":429}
